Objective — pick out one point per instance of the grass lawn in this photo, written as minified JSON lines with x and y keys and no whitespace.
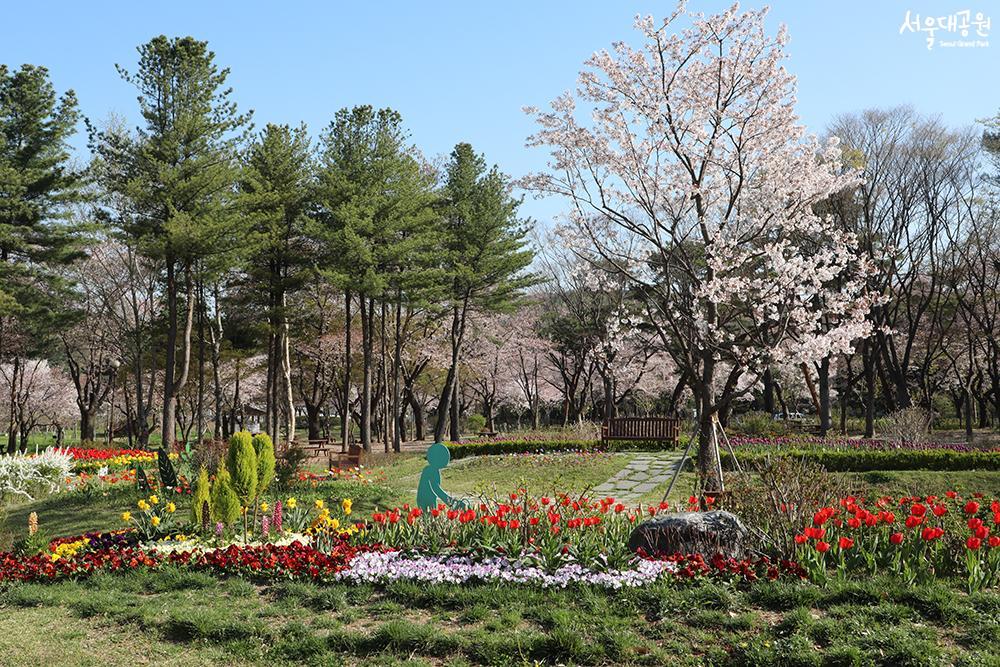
{"x":170,"y":617}
{"x":176,"y":617}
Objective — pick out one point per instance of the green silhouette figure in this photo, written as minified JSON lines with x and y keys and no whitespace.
{"x":429,"y":491}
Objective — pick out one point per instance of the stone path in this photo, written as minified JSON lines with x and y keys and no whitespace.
{"x":644,"y":472}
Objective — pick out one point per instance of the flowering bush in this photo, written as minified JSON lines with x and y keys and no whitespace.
{"x":549,"y":532}
{"x":916,"y":538}
{"x":25,"y":474}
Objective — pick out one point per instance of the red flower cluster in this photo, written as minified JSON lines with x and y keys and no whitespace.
{"x":92,"y":454}
{"x":691,"y":566}
{"x":295,"y":560}
{"x":867,"y":536}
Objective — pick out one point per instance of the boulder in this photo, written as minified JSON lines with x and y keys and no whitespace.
{"x":706,"y":533}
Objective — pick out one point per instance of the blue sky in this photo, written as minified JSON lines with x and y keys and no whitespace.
{"x":462,"y":71}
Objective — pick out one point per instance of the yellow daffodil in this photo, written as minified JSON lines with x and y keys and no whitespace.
{"x":346,"y":505}
{"x":154,"y":500}
{"x":143,"y":505}
{"x":126,"y":516}
{"x":263,"y":507}
{"x":319,"y":504}
{"x":155,"y":521}
{"x":335,"y":524}
{"x":290,"y":503}
{"x":171,"y":508}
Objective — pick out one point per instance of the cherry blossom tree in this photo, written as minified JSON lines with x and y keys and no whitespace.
{"x":43,"y":395}
{"x":694,"y":182}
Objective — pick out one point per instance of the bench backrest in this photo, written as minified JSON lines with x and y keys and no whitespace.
{"x":660,"y":429}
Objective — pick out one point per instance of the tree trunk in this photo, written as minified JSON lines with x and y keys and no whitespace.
{"x":825,"y":419}
{"x":869,"y":401}
{"x":768,"y":392}
{"x":87,"y":425}
{"x":313,"y":421}
{"x":455,"y":412}
{"x":171,"y":386}
{"x":345,"y":417}
{"x":397,"y":361}
{"x":418,"y":418}
{"x":366,"y":384}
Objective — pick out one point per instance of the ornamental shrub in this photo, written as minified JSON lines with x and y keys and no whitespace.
{"x":225,"y":505}
{"x":202,"y":494}
{"x":865,"y":460}
{"x":241,"y":461}
{"x":264,"y":449}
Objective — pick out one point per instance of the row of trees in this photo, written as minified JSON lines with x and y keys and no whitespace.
{"x":193,"y":243}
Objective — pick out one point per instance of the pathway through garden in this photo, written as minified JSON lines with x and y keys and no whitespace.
{"x":643,"y":473}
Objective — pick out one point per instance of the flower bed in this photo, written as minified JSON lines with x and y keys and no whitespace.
{"x":91,"y":459}
{"x":916,"y":538}
{"x":77,"y":557}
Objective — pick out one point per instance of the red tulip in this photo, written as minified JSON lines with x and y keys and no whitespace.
{"x":973,"y":543}
{"x":896,"y":538}
{"x":918,"y":510}
{"x":822,"y":547}
{"x":846,"y":543}
{"x":971,"y":507}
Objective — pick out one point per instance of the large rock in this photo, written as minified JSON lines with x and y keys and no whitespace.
{"x":707,"y":533}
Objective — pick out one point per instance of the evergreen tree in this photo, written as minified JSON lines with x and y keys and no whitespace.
{"x":264,"y":448}
{"x":225,"y":503}
{"x":179,"y":173}
{"x":485,"y":253}
{"x":278,"y":187}
{"x":241,"y":460}
{"x":375,"y":223}
{"x":38,"y":185}
{"x":202,"y":493}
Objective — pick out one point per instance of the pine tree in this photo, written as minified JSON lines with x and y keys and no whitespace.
{"x":277,"y":183}
{"x":179,"y":174}
{"x":486,"y":254}
{"x":376,"y":221}
{"x":38,"y":185}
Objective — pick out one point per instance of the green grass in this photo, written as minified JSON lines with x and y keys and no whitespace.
{"x":169,"y":617}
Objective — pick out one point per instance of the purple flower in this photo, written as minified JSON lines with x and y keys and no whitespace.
{"x":219,"y":527}
{"x":265,"y":526}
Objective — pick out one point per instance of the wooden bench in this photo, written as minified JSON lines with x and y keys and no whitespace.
{"x":652,"y":429}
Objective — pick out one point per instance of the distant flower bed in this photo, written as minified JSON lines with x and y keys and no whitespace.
{"x":91,"y":459}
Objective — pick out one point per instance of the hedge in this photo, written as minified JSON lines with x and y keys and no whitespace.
{"x":861,"y":460}
{"x":461,"y":450}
